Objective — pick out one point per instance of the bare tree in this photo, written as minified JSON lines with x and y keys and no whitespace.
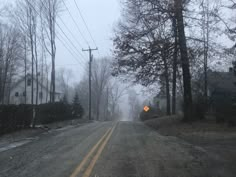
{"x":184,"y":60}
{"x":101,"y":74}
{"x":134,"y":104}
{"x":64,"y":76}
{"x":11,"y":55}
{"x":116,"y":92}
{"x":50,"y":11}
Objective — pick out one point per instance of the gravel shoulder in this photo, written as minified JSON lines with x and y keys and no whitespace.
{"x":217,"y":140}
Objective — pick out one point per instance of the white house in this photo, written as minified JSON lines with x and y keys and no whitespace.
{"x":21,"y":92}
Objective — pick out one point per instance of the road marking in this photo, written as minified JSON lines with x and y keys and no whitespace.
{"x":95,"y":158}
{"x":78,"y":169}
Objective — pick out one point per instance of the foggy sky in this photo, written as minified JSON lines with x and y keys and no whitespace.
{"x":100,"y":17}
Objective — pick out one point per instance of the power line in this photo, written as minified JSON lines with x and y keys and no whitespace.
{"x":71,"y":53}
{"x":60,"y":29}
{"x":75,"y":23}
{"x":69,"y":40}
{"x":70,"y":32}
{"x":80,"y":13}
{"x":65,"y":33}
{"x":71,"y":49}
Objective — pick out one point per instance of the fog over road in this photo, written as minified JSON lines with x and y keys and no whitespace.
{"x":108,"y":149}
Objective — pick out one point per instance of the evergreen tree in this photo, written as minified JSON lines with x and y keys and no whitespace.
{"x":64,"y":99}
{"x":77,"y":109}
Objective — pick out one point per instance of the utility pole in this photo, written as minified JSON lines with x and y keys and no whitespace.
{"x":90,"y":76}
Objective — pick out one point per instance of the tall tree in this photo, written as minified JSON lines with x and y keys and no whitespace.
{"x":50,"y":11}
{"x":101,"y":75}
{"x":11,"y":55}
{"x":184,"y":60}
{"x":77,"y":109}
{"x":144,"y":44}
{"x":174,"y":66}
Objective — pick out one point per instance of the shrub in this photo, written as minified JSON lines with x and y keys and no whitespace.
{"x":14,"y":117}
{"x":199,"y":108}
{"x":225,"y":108}
{"x":77,"y":109}
{"x":52,"y":112}
{"x":151,"y":114}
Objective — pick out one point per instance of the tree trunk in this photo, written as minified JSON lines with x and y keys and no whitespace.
{"x":167,"y":84}
{"x":32,"y":63}
{"x":98,"y":109}
{"x":53,"y":82}
{"x":206,"y":44}
{"x":174,"y":67}
{"x":47,"y":84}
{"x":184,"y":61}
{"x":36,"y":67}
{"x":1,"y":69}
{"x":25,"y":59}
{"x":53,"y":55}
{"x":42,"y":76}
{"x":5,"y":79}
{"x":9,"y":88}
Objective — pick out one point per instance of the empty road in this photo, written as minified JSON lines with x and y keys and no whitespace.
{"x":107,"y":149}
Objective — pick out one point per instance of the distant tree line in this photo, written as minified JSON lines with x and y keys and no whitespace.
{"x":107,"y":91}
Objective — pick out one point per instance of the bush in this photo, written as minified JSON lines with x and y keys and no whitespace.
{"x":151,"y":114}
{"x":225,"y":108}
{"x":199,"y":108}
{"x":77,"y":109}
{"x":52,"y":112}
{"x":14,"y":117}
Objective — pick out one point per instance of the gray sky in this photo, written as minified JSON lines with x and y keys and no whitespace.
{"x":100,"y":17}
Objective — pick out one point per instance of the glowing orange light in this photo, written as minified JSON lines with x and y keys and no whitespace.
{"x":146,"y":108}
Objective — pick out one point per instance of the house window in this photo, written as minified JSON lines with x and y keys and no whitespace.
{"x":28,"y":82}
{"x":40,"y":95}
{"x":24,"y":94}
{"x":16,"y":94}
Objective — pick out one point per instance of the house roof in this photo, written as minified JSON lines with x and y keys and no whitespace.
{"x":22,"y":79}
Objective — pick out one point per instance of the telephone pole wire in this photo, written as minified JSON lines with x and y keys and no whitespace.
{"x":90,"y":76}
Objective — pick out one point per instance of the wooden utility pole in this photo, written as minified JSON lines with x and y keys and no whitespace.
{"x":90,"y":76}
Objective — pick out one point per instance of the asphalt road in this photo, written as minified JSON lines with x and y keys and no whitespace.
{"x":108,"y":149}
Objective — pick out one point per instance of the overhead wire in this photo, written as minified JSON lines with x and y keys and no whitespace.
{"x":61,"y":39}
{"x":69,"y":40}
{"x":81,"y":15}
{"x":68,"y":47}
{"x":75,"y":23}
{"x":70,"y":32}
{"x":86,"y":26}
{"x":65,"y":33}
{"x":74,"y":57}
{"x":72,"y":44}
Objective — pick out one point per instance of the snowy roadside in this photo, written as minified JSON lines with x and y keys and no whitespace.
{"x":21,"y":137}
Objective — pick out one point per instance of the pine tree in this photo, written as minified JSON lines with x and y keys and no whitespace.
{"x":64,"y":99}
{"x":77,"y":109}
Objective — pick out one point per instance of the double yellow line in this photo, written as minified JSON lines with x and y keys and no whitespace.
{"x":99,"y":146}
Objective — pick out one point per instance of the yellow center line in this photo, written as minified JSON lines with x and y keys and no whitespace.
{"x":95,"y":158}
{"x":78,"y":169}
